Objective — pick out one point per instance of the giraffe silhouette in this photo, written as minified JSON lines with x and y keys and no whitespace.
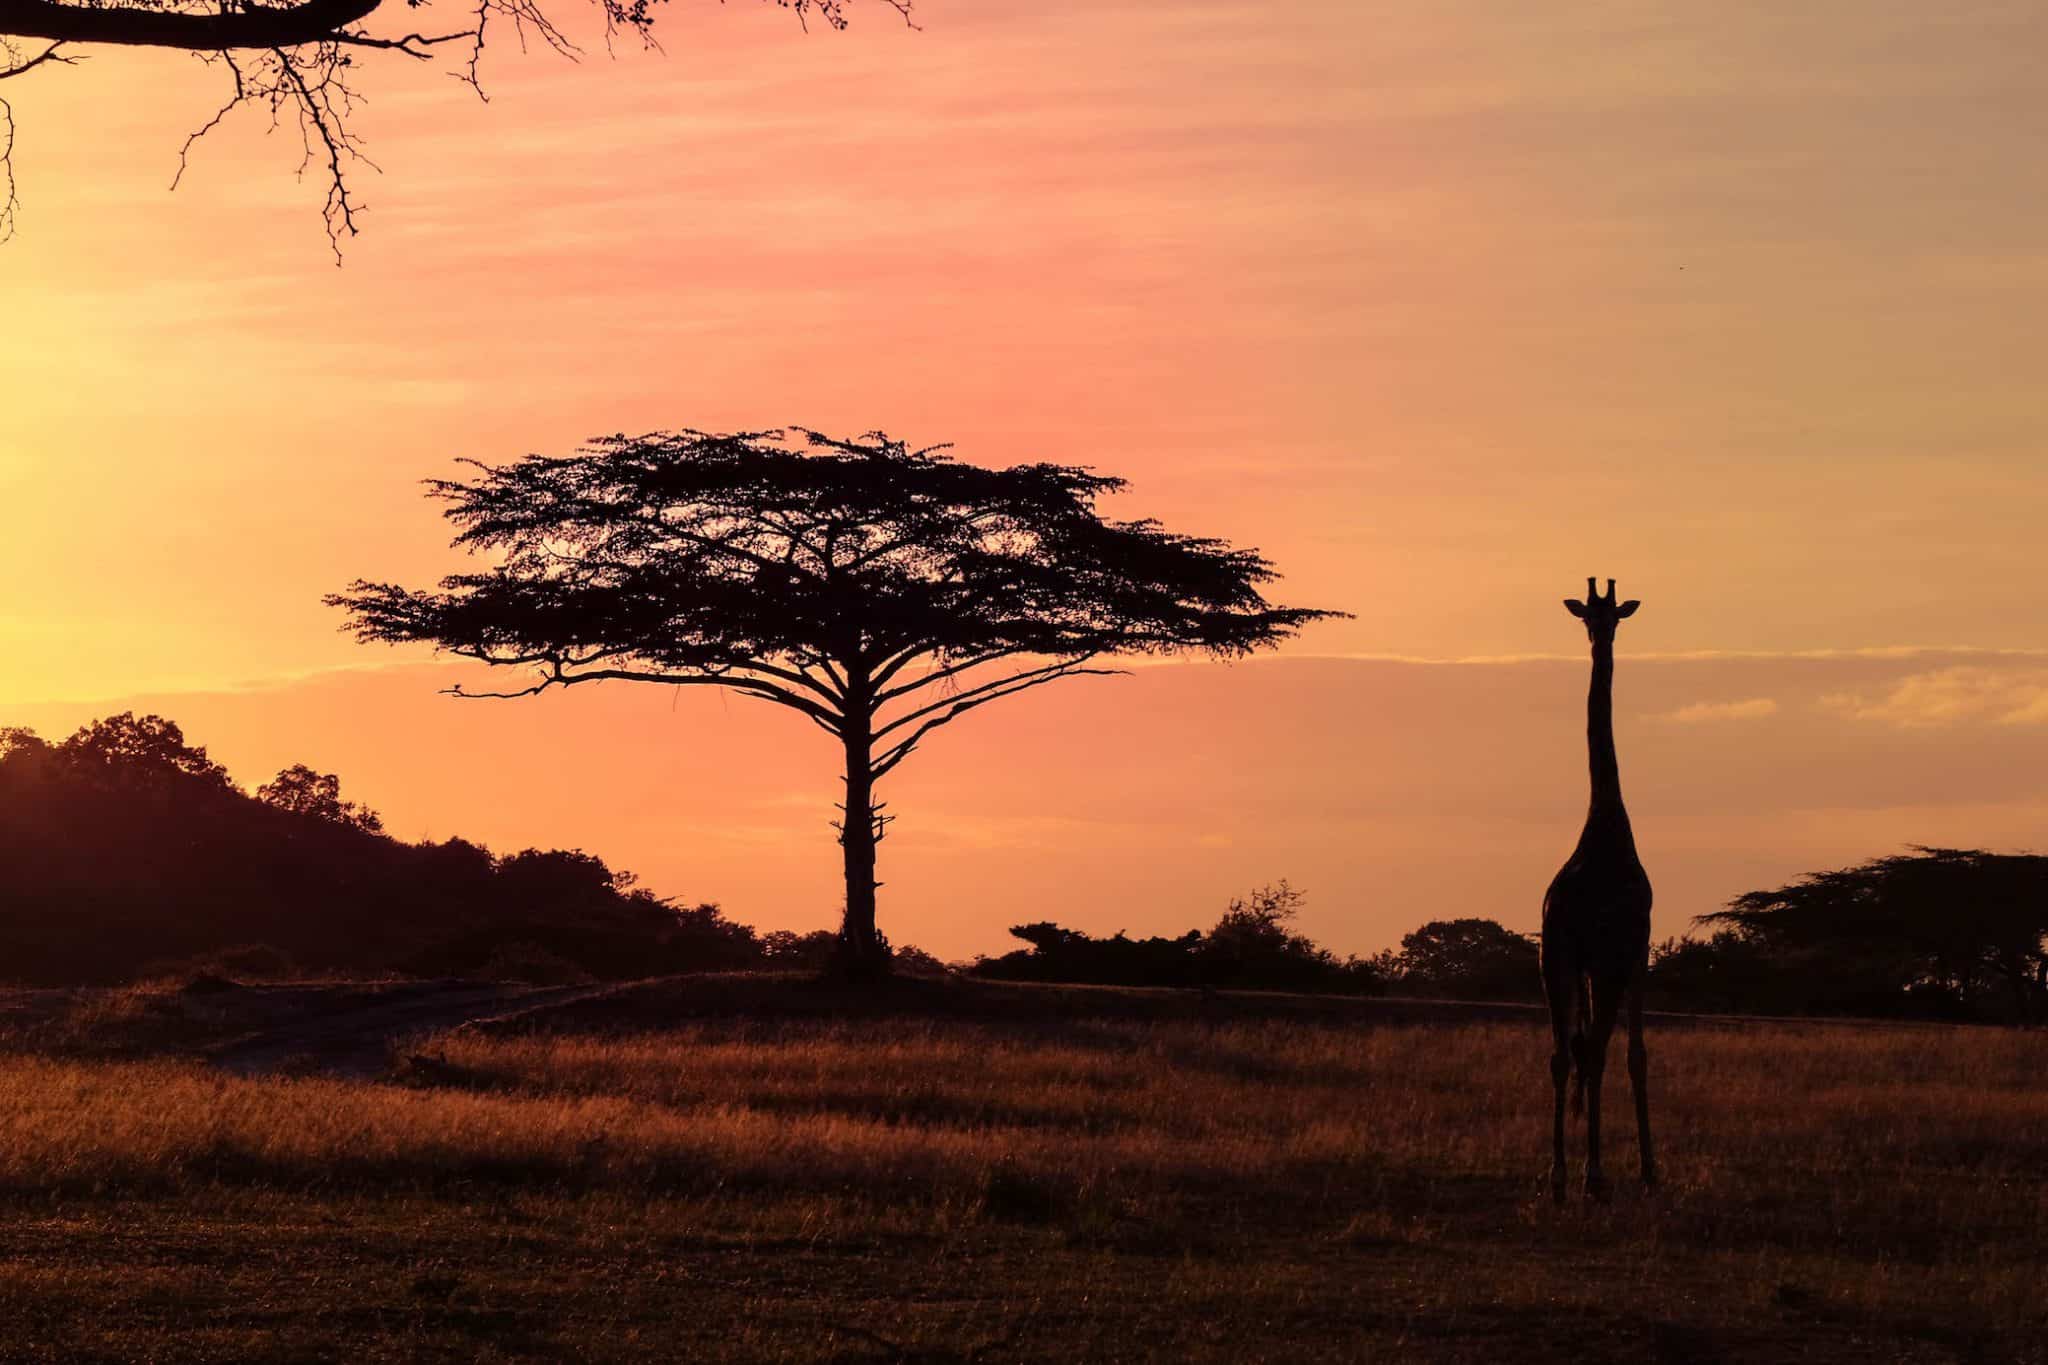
{"x":1596,"y":928}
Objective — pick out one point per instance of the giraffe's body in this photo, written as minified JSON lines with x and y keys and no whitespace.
{"x":1596,"y":926}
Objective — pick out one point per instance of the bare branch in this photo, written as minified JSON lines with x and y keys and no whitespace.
{"x":17,"y":65}
{"x":241,"y":26}
{"x":1054,"y":669}
{"x":22,"y":66}
{"x":9,"y":200}
{"x":559,"y":674}
{"x":797,"y":678}
{"x":832,"y":672}
{"x":310,"y":83}
{"x":315,"y":111}
{"x":241,"y":93}
{"x":1022,"y":682}
{"x":412,"y":44}
{"x":938,"y":674}
{"x":295,"y":55}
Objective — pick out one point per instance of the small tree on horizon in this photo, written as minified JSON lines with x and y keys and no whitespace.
{"x":1469,"y":958}
{"x":316,"y":795}
{"x":1256,"y":934}
{"x":879,"y":591}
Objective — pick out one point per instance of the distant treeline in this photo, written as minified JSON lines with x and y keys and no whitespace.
{"x":1937,"y":933}
{"x":1933,"y":934}
{"x":127,"y":852}
{"x":1254,"y":946}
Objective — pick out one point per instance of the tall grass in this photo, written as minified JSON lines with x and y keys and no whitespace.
{"x":1898,"y":1167}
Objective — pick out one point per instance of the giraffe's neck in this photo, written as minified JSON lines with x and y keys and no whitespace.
{"x":1606,"y":817}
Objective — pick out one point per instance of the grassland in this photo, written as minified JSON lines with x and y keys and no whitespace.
{"x":1083,"y":1176}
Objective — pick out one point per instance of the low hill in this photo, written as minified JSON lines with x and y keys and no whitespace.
{"x":126,"y":851}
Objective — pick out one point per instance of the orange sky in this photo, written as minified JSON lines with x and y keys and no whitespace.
{"x":1442,"y":305}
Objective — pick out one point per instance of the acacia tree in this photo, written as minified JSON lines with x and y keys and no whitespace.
{"x":1957,"y":923}
{"x":879,"y":591}
{"x":297,"y":61}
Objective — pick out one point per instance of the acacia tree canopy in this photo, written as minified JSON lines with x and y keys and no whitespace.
{"x":1956,"y":923}
{"x":299,"y":60}
{"x":880,"y":591}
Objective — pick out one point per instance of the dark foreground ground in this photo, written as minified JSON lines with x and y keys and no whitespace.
{"x":767,"y":1169}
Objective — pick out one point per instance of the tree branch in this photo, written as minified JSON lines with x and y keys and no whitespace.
{"x":1054,"y":669}
{"x":714,"y":543}
{"x":339,"y":212}
{"x":936,"y":675}
{"x":10,"y":202}
{"x":412,"y":44}
{"x":17,"y":66}
{"x":800,"y":679}
{"x":559,"y":675}
{"x":241,"y":93}
{"x":302,"y":56}
{"x":1008,"y":687}
{"x":20,"y":68}
{"x":195,"y":31}
{"x":889,"y":666}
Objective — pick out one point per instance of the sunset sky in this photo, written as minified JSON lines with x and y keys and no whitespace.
{"x":1443,"y":306}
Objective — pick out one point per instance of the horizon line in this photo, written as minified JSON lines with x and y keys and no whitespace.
{"x":283,"y":680}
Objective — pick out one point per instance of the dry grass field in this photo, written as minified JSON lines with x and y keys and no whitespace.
{"x":1100,"y":1179}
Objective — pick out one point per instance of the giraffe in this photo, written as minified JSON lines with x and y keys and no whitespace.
{"x":1596,"y":928}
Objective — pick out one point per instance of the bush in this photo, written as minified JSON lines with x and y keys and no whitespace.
{"x":1468,"y":959}
{"x":1251,"y":947}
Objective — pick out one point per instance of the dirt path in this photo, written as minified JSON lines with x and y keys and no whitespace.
{"x":355,"y":1037}
{"x":359,"y":1029}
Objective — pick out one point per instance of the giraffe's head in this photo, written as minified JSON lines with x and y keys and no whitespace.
{"x":1601,"y":614}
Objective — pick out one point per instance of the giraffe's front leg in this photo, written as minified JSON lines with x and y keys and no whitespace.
{"x":1560,"y":1078}
{"x":1639,"y":1086}
{"x":1592,"y":1070}
{"x":1597,"y":1188}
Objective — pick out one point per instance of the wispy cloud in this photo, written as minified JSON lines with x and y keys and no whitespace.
{"x":1952,"y":696}
{"x":1706,"y":712}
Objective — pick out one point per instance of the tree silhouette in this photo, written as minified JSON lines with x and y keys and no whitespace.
{"x":879,"y":591}
{"x":296,"y":61}
{"x":1255,"y":941}
{"x":128,"y":852}
{"x":302,"y":791}
{"x":1952,"y":925}
{"x":1253,"y":946}
{"x":141,"y":749}
{"x":1468,"y":959}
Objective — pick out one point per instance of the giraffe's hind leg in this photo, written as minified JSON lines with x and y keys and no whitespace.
{"x":1593,"y":1066}
{"x":1561,"y":990}
{"x":1639,"y":1082}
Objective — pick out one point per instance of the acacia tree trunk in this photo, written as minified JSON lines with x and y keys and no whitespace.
{"x":863,"y":952}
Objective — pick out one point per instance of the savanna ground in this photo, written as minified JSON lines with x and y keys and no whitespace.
{"x":735,"y":1169}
